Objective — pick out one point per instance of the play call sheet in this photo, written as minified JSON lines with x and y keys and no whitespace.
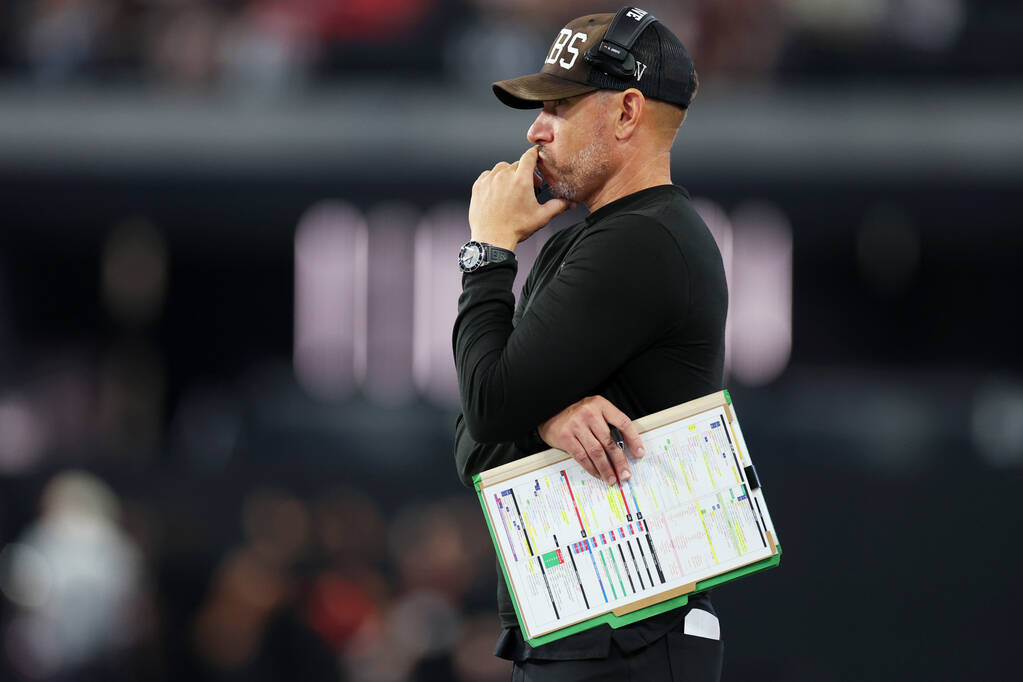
{"x":575,"y":547}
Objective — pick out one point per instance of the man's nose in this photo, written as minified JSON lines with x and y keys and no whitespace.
{"x":541,"y":131}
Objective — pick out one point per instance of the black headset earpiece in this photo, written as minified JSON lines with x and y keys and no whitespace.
{"x":612,"y":55}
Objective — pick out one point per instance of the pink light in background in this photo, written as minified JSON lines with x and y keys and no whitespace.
{"x":387,"y":329}
{"x":721,"y":229}
{"x":330,"y":293}
{"x":438,"y":282}
{"x":22,"y":435}
{"x":386,"y":374}
{"x":762,"y":341}
{"x":756,"y":249}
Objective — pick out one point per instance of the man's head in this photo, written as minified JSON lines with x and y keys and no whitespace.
{"x":610,"y":97}
{"x":585,"y":139}
{"x":630,"y":49}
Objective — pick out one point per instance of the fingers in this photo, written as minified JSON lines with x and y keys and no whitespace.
{"x":527,"y":162}
{"x":578,"y":452}
{"x":612,"y":415}
{"x":595,"y":453}
{"x":582,"y":430}
{"x":555,"y":207}
{"x":614,"y":454}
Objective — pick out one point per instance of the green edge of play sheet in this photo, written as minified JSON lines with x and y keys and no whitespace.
{"x":609,"y":618}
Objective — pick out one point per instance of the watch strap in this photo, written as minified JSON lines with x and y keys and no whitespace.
{"x":495,"y":254}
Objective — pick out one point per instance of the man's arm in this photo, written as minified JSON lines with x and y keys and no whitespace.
{"x":621,"y":287}
{"x":471,"y":457}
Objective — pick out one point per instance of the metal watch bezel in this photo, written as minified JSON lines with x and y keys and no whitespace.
{"x":482,"y":249}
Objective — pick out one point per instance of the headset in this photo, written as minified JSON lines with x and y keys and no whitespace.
{"x":612,"y":55}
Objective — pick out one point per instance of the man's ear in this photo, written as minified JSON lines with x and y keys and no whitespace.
{"x":631,"y":109}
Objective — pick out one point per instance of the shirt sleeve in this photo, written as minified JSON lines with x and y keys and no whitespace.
{"x":471,"y":457}
{"x":619,"y":288}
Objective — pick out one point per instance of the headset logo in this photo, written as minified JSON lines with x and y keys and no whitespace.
{"x":636,"y":13}
{"x":565,"y":41}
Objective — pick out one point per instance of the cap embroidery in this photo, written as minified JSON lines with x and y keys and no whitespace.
{"x":566,"y":41}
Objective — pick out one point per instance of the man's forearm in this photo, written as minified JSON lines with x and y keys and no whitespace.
{"x":481,"y":332}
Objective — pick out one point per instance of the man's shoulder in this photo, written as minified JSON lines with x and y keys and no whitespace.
{"x":669,"y":205}
{"x":659,"y":218}
{"x":638,"y":232}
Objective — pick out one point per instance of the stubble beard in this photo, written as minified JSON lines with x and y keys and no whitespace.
{"x":578,"y":175}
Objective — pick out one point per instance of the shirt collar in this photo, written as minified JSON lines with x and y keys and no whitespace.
{"x":633,"y":200}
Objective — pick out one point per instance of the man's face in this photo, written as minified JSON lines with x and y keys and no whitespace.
{"x":572,"y":135}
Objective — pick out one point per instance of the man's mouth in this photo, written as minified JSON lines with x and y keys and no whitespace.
{"x":542,"y":165}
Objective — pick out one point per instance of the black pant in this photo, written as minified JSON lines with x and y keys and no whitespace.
{"x":676,"y":657}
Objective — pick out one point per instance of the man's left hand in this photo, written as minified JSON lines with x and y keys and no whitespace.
{"x":504,"y":210}
{"x":583,"y":430}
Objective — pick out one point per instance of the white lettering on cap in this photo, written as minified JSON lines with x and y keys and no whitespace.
{"x":636,"y":13}
{"x":565,"y":41}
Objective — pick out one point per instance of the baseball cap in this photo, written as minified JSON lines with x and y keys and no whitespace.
{"x":663,"y":70}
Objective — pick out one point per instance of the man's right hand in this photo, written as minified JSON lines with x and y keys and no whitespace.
{"x":583,"y":430}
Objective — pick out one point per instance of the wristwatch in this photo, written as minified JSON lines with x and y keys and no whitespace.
{"x":474,"y":255}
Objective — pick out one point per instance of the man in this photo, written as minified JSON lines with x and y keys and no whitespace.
{"x":622,"y":315}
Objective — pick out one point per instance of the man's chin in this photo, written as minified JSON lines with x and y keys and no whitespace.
{"x":563,"y":190}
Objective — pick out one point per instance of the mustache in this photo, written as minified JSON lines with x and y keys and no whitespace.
{"x":544,"y":155}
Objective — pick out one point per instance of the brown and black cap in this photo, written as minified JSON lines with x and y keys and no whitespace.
{"x":583,"y":58}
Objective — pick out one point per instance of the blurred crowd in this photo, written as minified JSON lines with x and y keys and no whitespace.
{"x":273,"y":46}
{"x":322,"y":586}
{"x":150,"y":529}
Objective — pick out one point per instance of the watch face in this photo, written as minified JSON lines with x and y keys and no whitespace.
{"x":471,"y":256}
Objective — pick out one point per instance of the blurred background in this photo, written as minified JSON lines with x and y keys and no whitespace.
{"x":227,"y":282}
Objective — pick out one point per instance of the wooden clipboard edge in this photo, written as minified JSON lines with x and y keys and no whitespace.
{"x":668,"y":599}
{"x":643,"y":424}
{"x":607,"y":618}
{"x":613,"y":621}
{"x":522,"y":466}
{"x":654,"y":599}
{"x":665,"y":601}
{"x":691,"y":587}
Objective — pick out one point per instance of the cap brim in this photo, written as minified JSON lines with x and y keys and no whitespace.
{"x":530,"y":92}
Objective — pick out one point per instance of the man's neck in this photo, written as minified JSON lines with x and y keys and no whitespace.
{"x":638,"y":173}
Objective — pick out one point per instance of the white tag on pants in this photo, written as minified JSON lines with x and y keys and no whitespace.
{"x":700,"y":623}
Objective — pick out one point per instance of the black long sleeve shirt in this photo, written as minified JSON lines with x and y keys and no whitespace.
{"x":629,"y":304}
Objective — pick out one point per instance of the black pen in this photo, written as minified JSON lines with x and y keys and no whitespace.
{"x":617,"y":435}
